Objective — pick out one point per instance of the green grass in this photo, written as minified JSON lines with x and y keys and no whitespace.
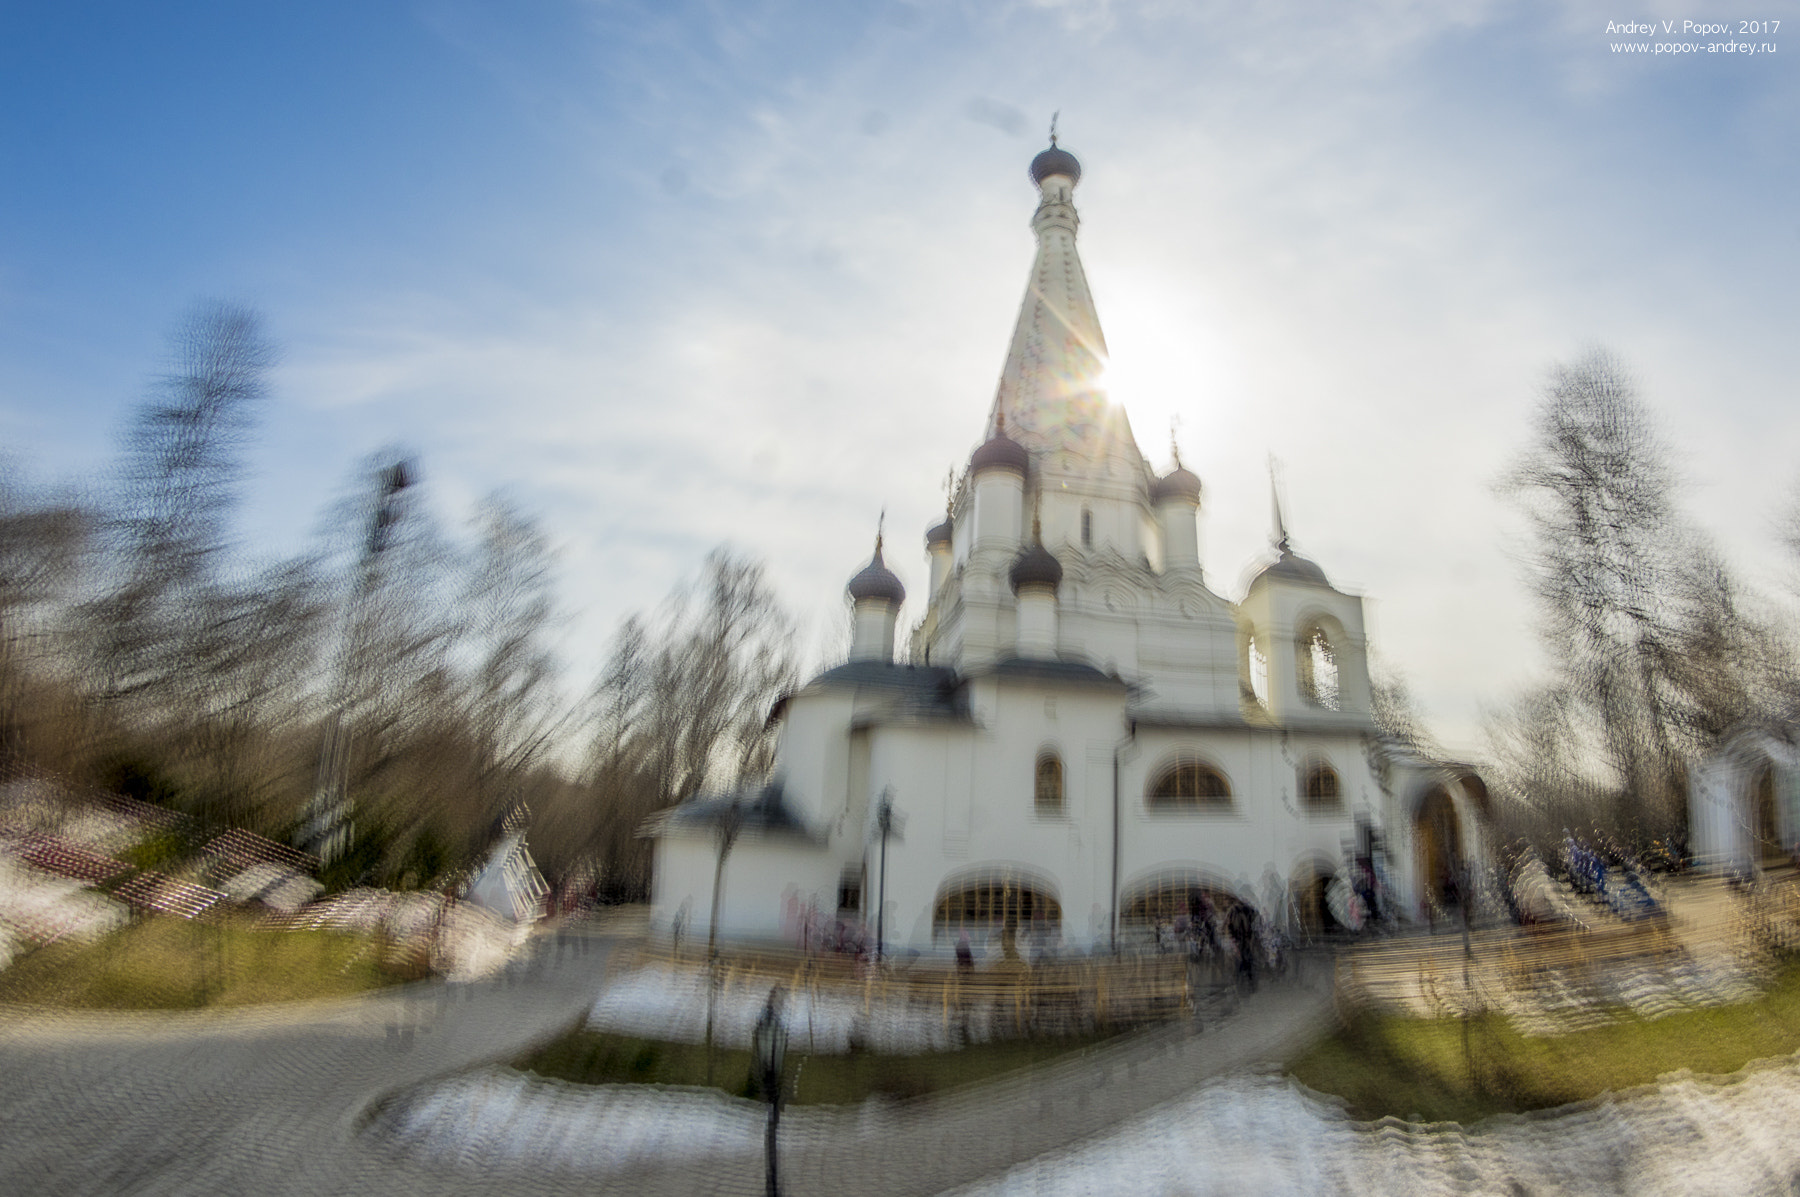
{"x":173,"y":964}
{"x":594,"y":1058}
{"x":1406,"y":1067}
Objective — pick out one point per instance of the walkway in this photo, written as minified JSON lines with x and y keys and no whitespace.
{"x":276,"y":1102}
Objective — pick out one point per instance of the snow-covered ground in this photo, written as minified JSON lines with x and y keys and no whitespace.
{"x":37,"y":907}
{"x":660,"y":1002}
{"x":1246,"y":1134}
{"x":1266,"y":1134}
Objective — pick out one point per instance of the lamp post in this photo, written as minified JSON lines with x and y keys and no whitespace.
{"x":731,"y":822}
{"x":884,"y":823}
{"x":768,"y":1044}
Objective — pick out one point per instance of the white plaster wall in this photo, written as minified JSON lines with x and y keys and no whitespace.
{"x":813,"y":753}
{"x":761,"y":875}
{"x":1267,"y":828}
{"x":967,"y":798}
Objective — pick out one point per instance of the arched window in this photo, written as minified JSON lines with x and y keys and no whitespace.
{"x":1048,"y":791}
{"x":1317,"y":663}
{"x":1087,"y":527}
{"x":1189,"y":784}
{"x":1321,"y":787}
{"x":1259,"y":673}
{"x":1002,"y":901}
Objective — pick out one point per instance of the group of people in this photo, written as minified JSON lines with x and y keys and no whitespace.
{"x":1234,"y":934}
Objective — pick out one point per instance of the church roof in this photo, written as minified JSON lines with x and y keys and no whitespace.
{"x":763,"y":809}
{"x":1034,"y":669}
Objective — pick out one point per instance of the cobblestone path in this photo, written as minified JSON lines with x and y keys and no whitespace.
{"x":277,"y":1101}
{"x":265,"y":1101}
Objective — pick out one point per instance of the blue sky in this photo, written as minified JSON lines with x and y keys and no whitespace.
{"x":672,"y":275}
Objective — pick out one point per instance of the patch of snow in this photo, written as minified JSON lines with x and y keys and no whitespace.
{"x":1258,"y":1133}
{"x":1266,"y":1134}
{"x":660,"y":1002}
{"x":501,"y":1115}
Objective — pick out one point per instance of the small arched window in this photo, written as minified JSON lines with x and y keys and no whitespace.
{"x":1189,"y":784}
{"x":1087,"y":527}
{"x":1049,"y":788}
{"x":1321,"y":787}
{"x":1317,"y":663}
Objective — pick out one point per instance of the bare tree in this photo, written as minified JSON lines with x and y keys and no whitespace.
{"x":1637,"y":610}
{"x":183,"y":462}
{"x":512,"y":708}
{"x":683,"y":705}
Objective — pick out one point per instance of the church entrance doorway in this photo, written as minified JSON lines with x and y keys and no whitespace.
{"x":1310,"y":887}
{"x":1768,"y":845}
{"x":1439,"y":848}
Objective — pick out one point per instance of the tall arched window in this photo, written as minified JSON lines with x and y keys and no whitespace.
{"x":1259,"y":672}
{"x":1317,"y":663}
{"x":1321,"y":787}
{"x":1189,"y":784}
{"x":1049,"y":788}
{"x":1087,"y":527}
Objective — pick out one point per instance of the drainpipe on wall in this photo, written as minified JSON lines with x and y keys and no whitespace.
{"x":1113,"y":902}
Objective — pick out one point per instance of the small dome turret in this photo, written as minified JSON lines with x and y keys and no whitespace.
{"x":877,"y":581}
{"x":1291,"y":567}
{"x":1036,"y":566}
{"x":940,"y":533}
{"x":1055,"y":161}
{"x":1000,"y":452}
{"x":1178,"y":482}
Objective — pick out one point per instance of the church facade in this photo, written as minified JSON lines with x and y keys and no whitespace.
{"x":1085,"y":739}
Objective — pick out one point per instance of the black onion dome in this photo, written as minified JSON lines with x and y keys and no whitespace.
{"x":940,"y":533}
{"x":1176,"y":482}
{"x":877,"y":581}
{"x":1036,"y":566}
{"x":1000,"y":452}
{"x":1055,"y":161}
{"x":1290,"y":567}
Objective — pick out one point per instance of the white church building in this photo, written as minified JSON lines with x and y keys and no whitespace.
{"x":1086,"y":738}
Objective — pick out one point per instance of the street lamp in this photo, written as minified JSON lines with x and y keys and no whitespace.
{"x":731,"y":824}
{"x":768,"y":1044}
{"x":884,"y":823}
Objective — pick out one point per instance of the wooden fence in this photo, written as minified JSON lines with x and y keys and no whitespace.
{"x":1050,"y":998}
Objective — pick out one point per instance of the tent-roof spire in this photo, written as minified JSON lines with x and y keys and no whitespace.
{"x":1050,"y":393}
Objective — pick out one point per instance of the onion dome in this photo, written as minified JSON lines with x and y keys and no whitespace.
{"x":1291,"y":567}
{"x":1177,"y":483}
{"x":1000,"y":452}
{"x":1054,"y":161}
{"x":939,"y":534}
{"x":877,"y":581}
{"x":1036,"y":566}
